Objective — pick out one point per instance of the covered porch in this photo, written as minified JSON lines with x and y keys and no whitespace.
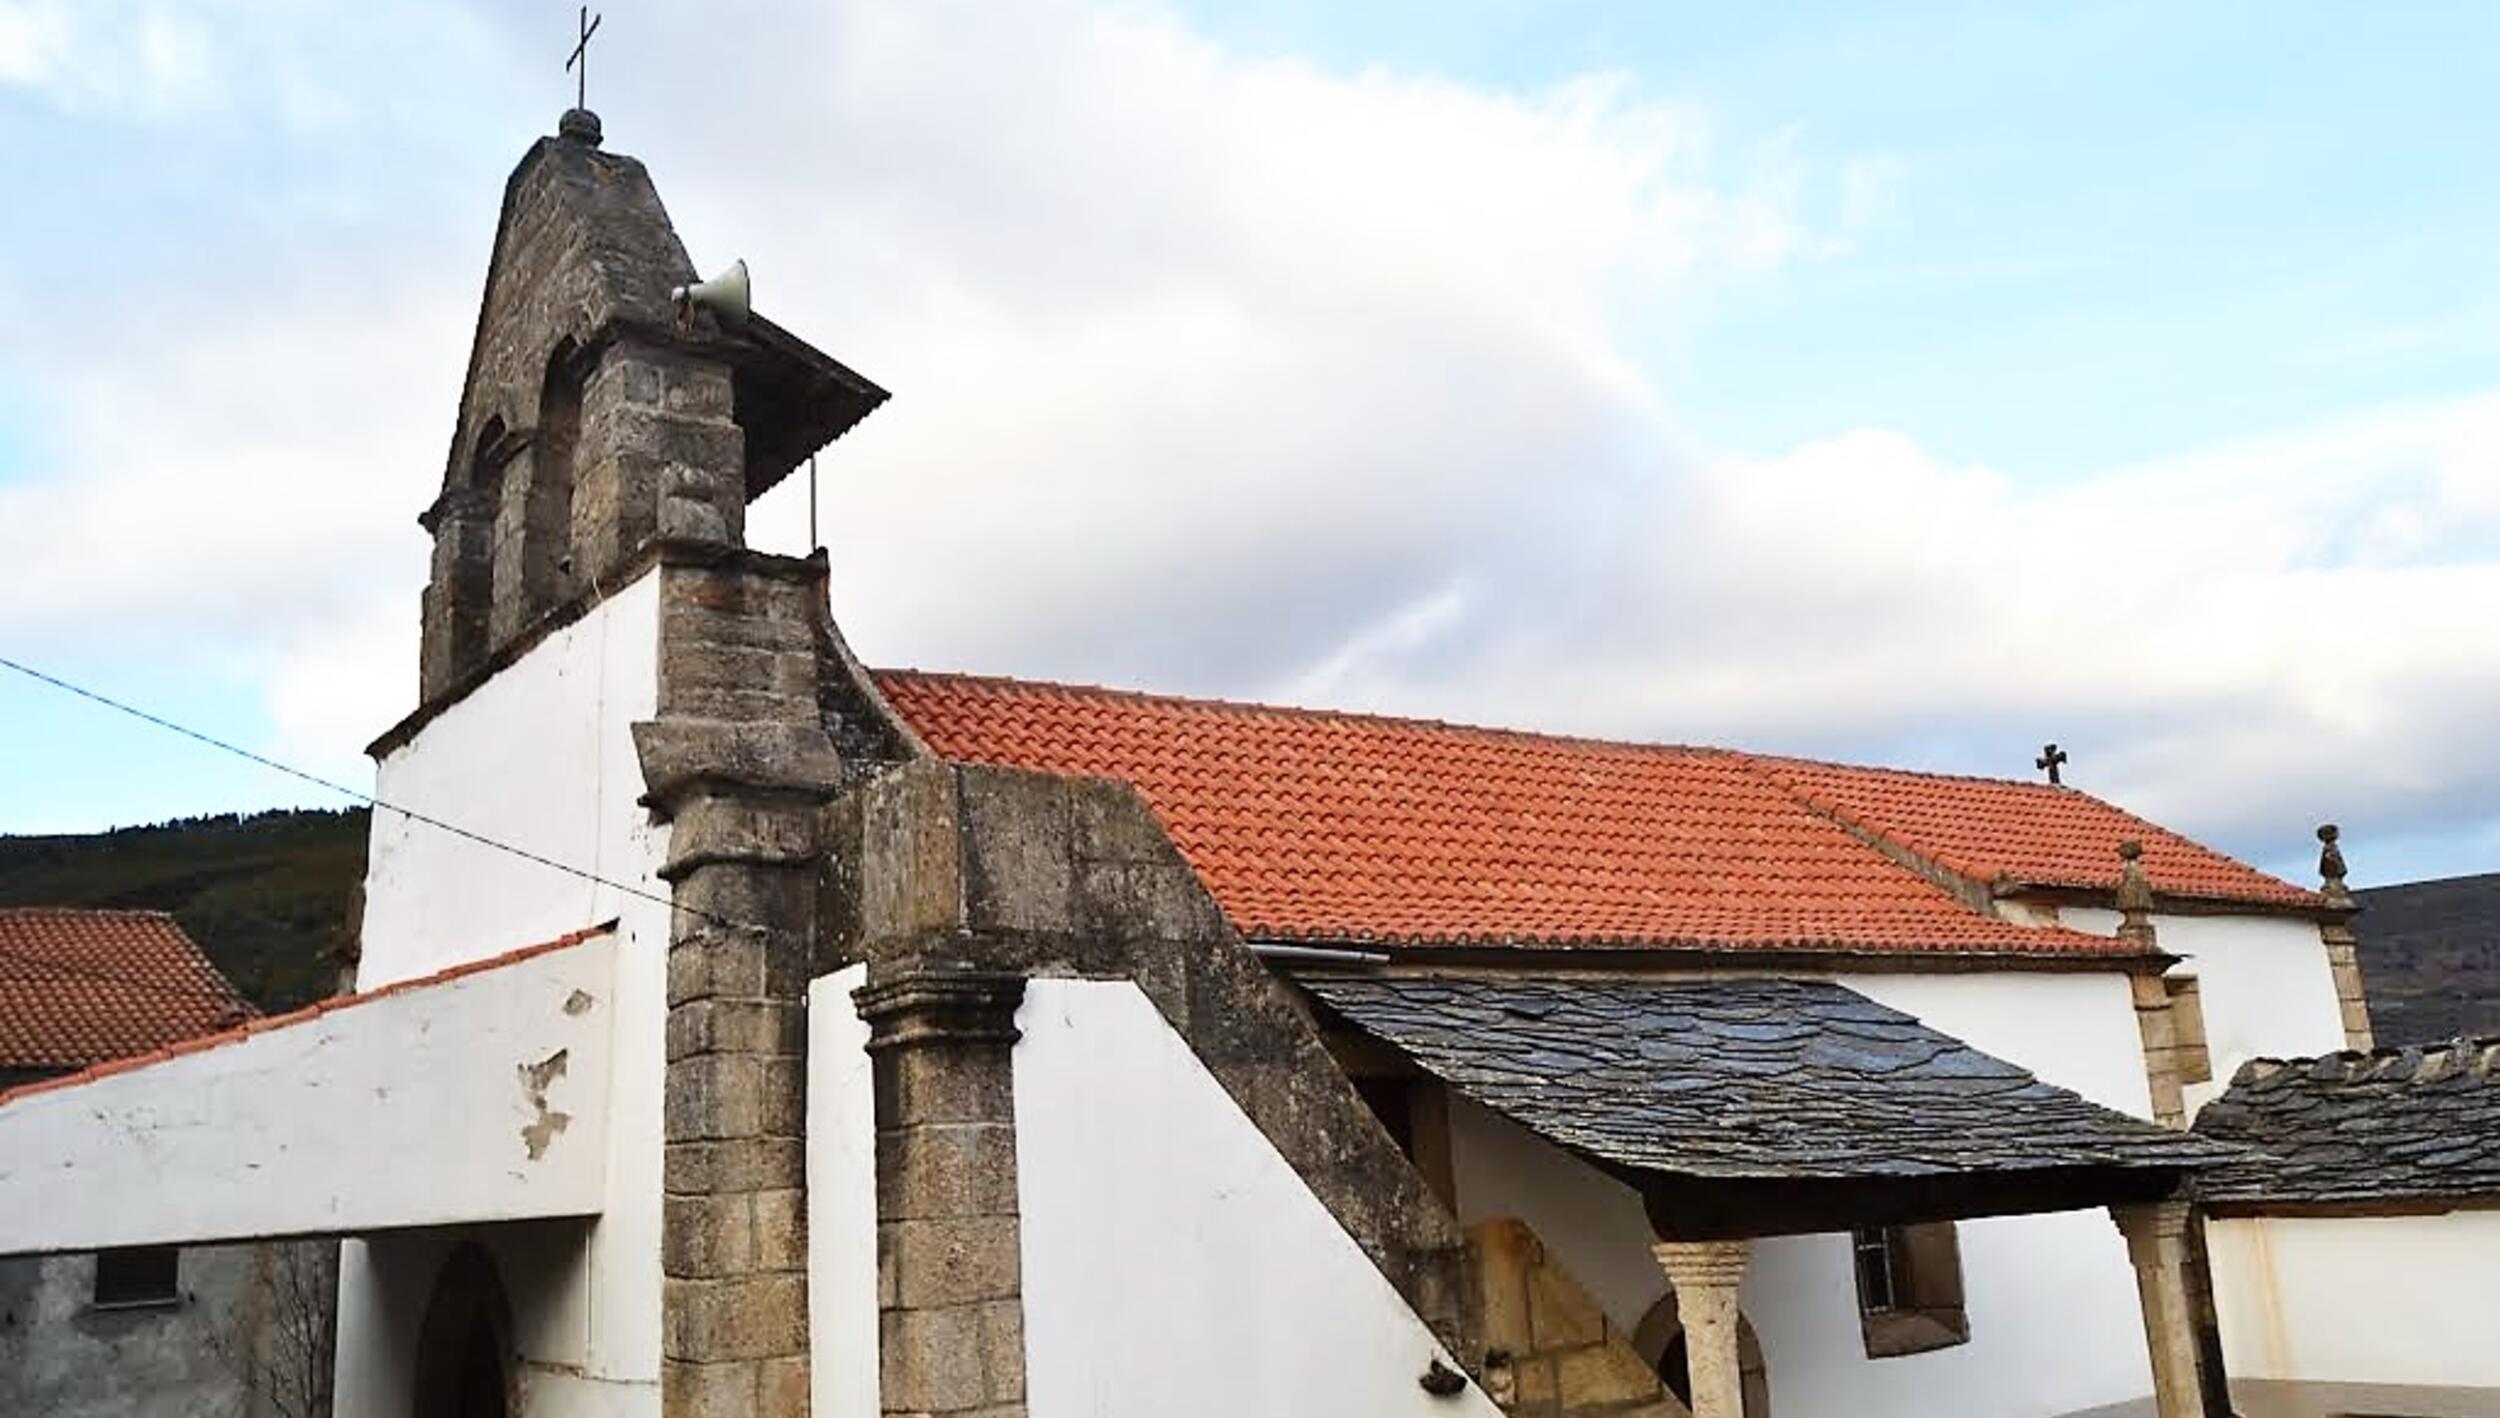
{"x":1738,"y":1111}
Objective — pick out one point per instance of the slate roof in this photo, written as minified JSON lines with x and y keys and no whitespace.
{"x":2025,"y":834}
{"x":1314,"y":826}
{"x":1743,"y":1079}
{"x":2393,"y":1126}
{"x":78,"y":987}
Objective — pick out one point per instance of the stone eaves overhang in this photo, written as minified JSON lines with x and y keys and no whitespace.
{"x":1751,"y":1107}
{"x":2395,"y":1131}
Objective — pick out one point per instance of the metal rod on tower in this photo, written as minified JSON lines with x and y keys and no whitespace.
{"x":812,"y":542}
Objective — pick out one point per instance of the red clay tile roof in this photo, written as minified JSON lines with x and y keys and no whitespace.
{"x":2029,"y":834}
{"x":79,"y":987}
{"x":199,"y":1042}
{"x":1315,"y":826}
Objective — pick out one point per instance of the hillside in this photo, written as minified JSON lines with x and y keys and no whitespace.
{"x":269,"y":896}
{"x":2430,"y":958}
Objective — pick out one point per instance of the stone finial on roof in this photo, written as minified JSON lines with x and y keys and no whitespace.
{"x":2331,"y":865}
{"x":2135,"y":896}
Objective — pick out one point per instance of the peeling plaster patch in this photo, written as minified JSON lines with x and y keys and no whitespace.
{"x":535,"y":1079}
{"x":578,"y":1002}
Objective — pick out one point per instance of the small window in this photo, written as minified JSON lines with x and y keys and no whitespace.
{"x":138,"y":1276}
{"x":1909,"y":1289}
{"x":2187,"y":1025}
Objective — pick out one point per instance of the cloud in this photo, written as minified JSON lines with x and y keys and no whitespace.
{"x":1244,"y":376}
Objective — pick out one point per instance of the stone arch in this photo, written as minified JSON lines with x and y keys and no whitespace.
{"x":464,"y":1344}
{"x":534,"y":504}
{"x":555,"y":468}
{"x":1659,"y":1339}
{"x":463,"y":522}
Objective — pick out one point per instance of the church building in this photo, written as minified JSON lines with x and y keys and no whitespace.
{"x":743,"y":1032}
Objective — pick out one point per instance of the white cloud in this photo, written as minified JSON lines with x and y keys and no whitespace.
{"x":1241,"y":376}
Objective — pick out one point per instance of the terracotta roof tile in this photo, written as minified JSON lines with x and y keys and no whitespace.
{"x":1317,"y":826}
{"x":79,"y":987}
{"x":2031,"y":834}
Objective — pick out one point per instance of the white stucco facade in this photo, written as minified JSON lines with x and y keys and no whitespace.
{"x":2359,"y":1299}
{"x":1174,"y":1263}
{"x":2055,"y":1322}
{"x":506,"y":1067}
{"x":2266,"y":989}
{"x":539,"y":756}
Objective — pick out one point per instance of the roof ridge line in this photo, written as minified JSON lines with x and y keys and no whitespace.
{"x":2145,"y":827}
{"x":1296,"y":711}
{"x":126,"y":912}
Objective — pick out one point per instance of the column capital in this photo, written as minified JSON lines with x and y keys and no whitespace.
{"x":940,"y":1002}
{"x":1695,"y":1264}
{"x":2154,"y":1229}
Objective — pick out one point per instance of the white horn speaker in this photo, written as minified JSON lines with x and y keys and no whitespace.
{"x":729,"y":296}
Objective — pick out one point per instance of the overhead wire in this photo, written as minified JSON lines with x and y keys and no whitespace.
{"x":368,"y":799}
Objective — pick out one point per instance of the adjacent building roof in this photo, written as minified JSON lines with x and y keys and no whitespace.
{"x":2395,"y":1127}
{"x":1315,"y":826}
{"x":2024,"y":834}
{"x":200,"y":1040}
{"x":78,"y":987}
{"x":1743,"y":1080}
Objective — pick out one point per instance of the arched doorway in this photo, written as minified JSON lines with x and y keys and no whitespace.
{"x":1660,"y":1340}
{"x":464,"y":1345}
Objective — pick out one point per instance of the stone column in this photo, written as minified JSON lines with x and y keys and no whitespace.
{"x":1706,"y":1275}
{"x":950,"y":1269}
{"x":740,"y":767}
{"x":455,"y":601}
{"x":2156,"y":1235}
{"x":733,"y":1233}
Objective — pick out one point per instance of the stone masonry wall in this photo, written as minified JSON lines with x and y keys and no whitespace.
{"x":1550,"y":1352}
{"x":738,"y":759}
{"x":1034,"y":874}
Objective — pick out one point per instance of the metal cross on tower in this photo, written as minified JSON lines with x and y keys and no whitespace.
{"x":2051,"y":758}
{"x":578,"y":65}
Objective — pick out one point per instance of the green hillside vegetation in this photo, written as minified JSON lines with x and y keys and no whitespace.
{"x":270,"y":896}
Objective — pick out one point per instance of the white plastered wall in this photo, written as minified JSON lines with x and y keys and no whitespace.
{"x":2264,"y":982}
{"x":2375,"y":1300}
{"x":841,"y":1202}
{"x":541,"y":757}
{"x":2055,"y":1325}
{"x":479,"y":1097}
{"x":1174,"y":1263}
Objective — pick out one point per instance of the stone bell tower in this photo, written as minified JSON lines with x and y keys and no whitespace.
{"x":608,"y":438}
{"x":598,"y":421}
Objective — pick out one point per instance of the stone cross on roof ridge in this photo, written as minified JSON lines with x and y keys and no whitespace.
{"x":2051,"y":758}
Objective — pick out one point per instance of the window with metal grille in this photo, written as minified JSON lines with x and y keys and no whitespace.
{"x":1909,"y":1289}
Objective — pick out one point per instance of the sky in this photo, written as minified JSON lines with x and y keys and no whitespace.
{"x":1909,"y":383}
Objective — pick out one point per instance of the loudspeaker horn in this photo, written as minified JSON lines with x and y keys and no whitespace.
{"x":729,"y":296}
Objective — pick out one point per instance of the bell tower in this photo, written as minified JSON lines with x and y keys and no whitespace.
{"x":600,"y":420}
